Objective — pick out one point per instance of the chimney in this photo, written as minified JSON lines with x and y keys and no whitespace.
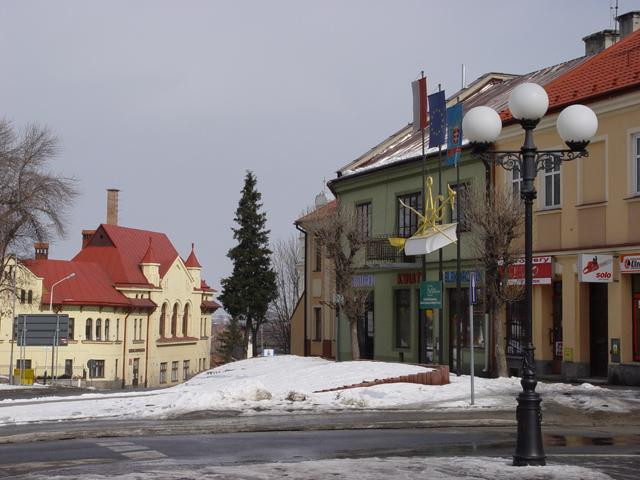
{"x":87,"y":235}
{"x":42,"y":250}
{"x":112,"y":206}
{"x":596,"y":42}
{"x":628,"y":22}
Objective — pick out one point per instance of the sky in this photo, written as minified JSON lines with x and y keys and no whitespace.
{"x":173,"y":101}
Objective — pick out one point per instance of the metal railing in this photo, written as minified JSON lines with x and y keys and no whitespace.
{"x":379,"y":250}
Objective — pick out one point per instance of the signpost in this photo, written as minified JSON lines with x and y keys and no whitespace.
{"x":472,"y":301}
{"x":430,"y":295}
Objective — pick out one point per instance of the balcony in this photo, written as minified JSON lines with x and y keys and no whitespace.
{"x":378,"y":250}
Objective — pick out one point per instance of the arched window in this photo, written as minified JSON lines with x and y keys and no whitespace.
{"x":174,"y":321}
{"x":185,"y":321}
{"x":163,"y":318}
{"x":99,"y":329}
{"x":106,"y":329}
{"x":88,"y":329}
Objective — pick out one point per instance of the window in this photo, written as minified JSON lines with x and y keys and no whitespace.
{"x":117,"y":329}
{"x":88,"y":329}
{"x":71,"y":328}
{"x":174,"y":371}
{"x":317,"y":318}
{"x":551,"y":178}
{"x":24,"y":363}
{"x":163,"y":318}
{"x":96,"y":368}
{"x":462,"y":196}
{"x":318,"y":250}
{"x":106,"y":329}
{"x":163,"y":372}
{"x":99,"y":329}
{"x":30,"y":297}
{"x":635,"y":159}
{"x":407,"y":219}
{"x":516,"y":317}
{"x":174,"y":321}
{"x":23,"y":294}
{"x":185,"y":321}
{"x":403,"y":317}
{"x":363,"y":219}
{"x":68,"y":368}
{"x":516,"y":181}
{"x":185,"y":370}
{"x":140,"y":329}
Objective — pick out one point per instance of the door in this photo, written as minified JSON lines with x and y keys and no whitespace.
{"x":636,"y":327}
{"x":136,"y":370}
{"x":598,"y":329}
{"x":456,"y":325}
{"x":556,"y":331}
{"x":368,"y":330}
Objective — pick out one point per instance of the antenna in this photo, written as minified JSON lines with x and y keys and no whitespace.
{"x":464,"y":77}
{"x":613,"y":15}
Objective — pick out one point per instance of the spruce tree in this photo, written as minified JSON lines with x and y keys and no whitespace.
{"x":247,"y":293}
{"x":231,"y":341}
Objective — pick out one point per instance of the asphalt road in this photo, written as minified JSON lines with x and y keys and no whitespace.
{"x":613,"y":450}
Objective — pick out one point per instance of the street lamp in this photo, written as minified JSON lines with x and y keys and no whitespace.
{"x":576,"y":125}
{"x":54,"y":347}
{"x":71,"y":275}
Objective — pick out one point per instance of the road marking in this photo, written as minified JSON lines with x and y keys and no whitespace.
{"x":599,"y":455}
{"x":144,"y":455}
{"x":127,"y":448}
{"x":113,"y":443}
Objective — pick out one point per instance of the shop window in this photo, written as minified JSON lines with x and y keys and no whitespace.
{"x":96,"y":369}
{"x":403,"y":317}
{"x":174,"y":371}
{"x":407,"y":219}
{"x":317,"y":318}
{"x":163,"y":372}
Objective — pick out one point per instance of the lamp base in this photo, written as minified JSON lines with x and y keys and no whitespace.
{"x":529,"y":449}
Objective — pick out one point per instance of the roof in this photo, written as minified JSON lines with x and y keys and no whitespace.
{"x":192,"y":261}
{"x":91,"y":284}
{"x":610,"y":72}
{"x":209,"y":306}
{"x":491,"y":89}
{"x":120,"y":250}
{"x":204,"y":287}
{"x":318,"y":212}
{"x":150,"y":256}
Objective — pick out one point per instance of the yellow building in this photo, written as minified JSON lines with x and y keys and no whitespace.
{"x":139,"y":315}
{"x":586,"y":317}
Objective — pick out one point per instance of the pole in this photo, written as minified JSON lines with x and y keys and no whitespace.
{"x":423,"y":320}
{"x":529,"y":449}
{"x":440,"y":311}
{"x":14,"y":321}
{"x":458,"y":275}
{"x":472,"y":299}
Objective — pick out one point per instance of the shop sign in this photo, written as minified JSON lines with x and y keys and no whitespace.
{"x":409,"y":278}
{"x":450,"y":276}
{"x":542,"y":271}
{"x":430,"y":295}
{"x":363,"y":281}
{"x":595,"y":268}
{"x":630,"y":263}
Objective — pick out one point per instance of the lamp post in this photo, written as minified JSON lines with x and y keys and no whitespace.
{"x":54,"y":347}
{"x":576,"y":125}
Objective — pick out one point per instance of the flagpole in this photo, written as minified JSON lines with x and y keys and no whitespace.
{"x":440,"y":310}
{"x":423,"y":320}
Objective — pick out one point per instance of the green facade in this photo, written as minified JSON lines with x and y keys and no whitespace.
{"x":391,"y":274}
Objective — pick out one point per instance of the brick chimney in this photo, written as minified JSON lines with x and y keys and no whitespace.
{"x":112,"y":206}
{"x":628,"y":22}
{"x":596,"y":42}
{"x":42,"y":250}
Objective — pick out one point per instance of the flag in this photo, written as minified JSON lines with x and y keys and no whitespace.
{"x":454,"y":134}
{"x":437,"y":119}
{"x":419,"y":88}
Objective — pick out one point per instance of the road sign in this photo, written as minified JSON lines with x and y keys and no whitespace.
{"x":40,"y":330}
{"x":430,"y":295}
{"x":472,"y":279}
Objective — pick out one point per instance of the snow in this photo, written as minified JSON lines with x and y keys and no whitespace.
{"x":437,"y":468}
{"x":287,"y":384}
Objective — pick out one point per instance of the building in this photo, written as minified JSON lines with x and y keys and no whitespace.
{"x":139,"y":315}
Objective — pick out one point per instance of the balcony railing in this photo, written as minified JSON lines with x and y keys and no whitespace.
{"x":379,"y":250}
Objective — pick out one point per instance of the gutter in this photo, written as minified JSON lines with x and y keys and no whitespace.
{"x":306,"y":290}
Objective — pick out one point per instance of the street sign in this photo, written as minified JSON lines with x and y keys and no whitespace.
{"x":40,"y":330}
{"x":430,"y":295}
{"x":474,"y":299}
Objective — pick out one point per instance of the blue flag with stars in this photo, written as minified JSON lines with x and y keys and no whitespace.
{"x":454,"y":134}
{"x":437,"y":119}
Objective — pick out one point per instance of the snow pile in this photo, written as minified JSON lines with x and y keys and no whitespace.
{"x":288,"y":383}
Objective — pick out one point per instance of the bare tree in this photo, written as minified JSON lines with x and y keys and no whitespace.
{"x":338,"y":230}
{"x":495,"y":219}
{"x":33,"y":199}
{"x":283,"y":260}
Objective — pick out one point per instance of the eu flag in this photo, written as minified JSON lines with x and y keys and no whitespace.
{"x":454,"y":134}
{"x":437,"y":119}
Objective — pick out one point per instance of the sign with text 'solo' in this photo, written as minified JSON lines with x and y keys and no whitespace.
{"x":430,"y":295}
{"x":595,"y":268}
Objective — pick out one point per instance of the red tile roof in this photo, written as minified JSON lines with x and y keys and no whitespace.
{"x":611,"y":72}
{"x":119,"y":250}
{"x":150,"y":256}
{"x":319,"y":212}
{"x":192,"y":261}
{"x":205,"y":288}
{"x":90,"y":286}
{"x":209,"y":306}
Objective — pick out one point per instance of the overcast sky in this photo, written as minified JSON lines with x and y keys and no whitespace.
{"x":172,"y":101}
